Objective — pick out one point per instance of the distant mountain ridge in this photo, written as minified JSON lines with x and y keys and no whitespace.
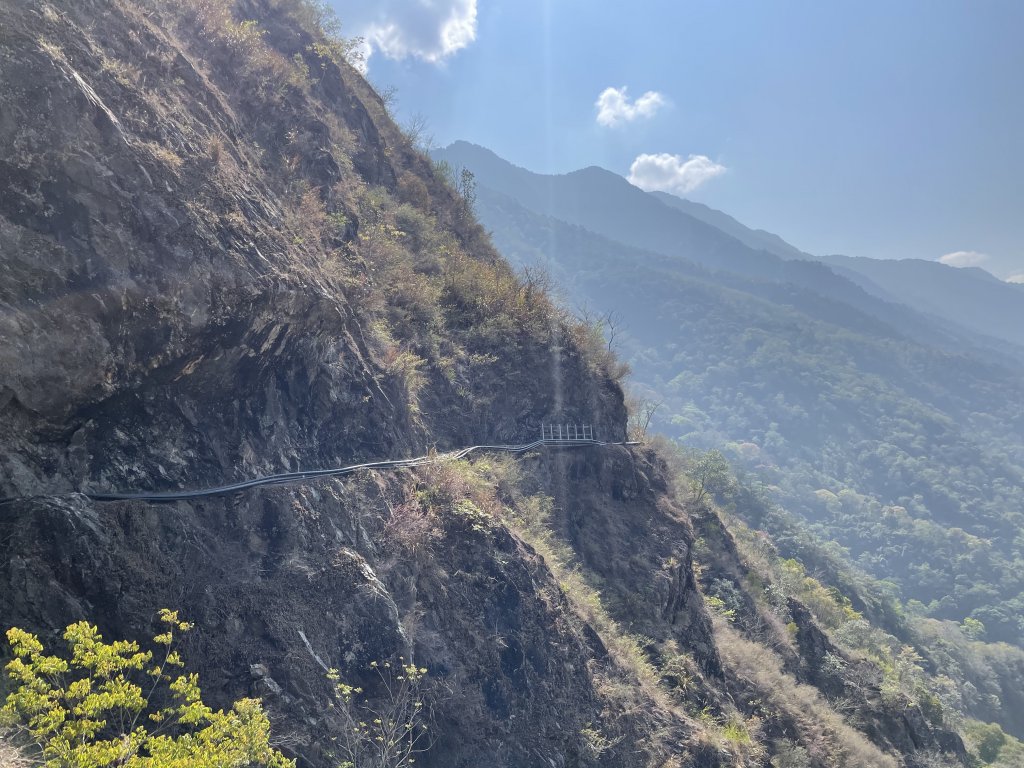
{"x":609,"y":206}
{"x":968,"y":296}
{"x":758,"y":239}
{"x":853,"y":408}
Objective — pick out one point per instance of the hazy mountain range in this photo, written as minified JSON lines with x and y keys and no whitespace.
{"x":953,"y":306}
{"x":861,"y":392}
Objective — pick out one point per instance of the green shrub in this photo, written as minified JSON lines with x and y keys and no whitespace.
{"x":594,"y":741}
{"x":97,"y":709}
{"x":790,"y":755}
{"x":988,"y":740}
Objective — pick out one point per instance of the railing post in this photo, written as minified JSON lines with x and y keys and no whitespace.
{"x":566,"y":432}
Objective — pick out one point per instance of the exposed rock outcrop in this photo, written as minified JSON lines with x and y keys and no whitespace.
{"x":203,"y":279}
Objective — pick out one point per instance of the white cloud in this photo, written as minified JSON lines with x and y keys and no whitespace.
{"x":671,"y":173}
{"x":964,"y":259}
{"x":1016,"y":278}
{"x":614,"y":106}
{"x":431,"y":30}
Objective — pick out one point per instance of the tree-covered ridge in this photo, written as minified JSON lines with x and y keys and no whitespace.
{"x":908,"y":456}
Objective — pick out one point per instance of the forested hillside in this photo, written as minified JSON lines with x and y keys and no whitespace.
{"x":909,"y":455}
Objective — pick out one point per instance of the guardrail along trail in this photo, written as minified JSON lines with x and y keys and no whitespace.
{"x":290,"y":478}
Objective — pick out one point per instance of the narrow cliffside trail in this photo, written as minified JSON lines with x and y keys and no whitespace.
{"x":221,"y":257}
{"x":291,"y":478}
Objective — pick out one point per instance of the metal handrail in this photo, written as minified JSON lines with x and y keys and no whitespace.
{"x":290,"y":478}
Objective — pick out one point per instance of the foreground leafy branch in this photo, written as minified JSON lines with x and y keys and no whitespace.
{"x":112,"y":704}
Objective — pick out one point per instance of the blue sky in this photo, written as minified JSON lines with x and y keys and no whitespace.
{"x":886,"y":129}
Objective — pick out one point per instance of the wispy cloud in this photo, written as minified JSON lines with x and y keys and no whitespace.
{"x":1019,"y":278}
{"x":400,"y":29}
{"x":614,"y":106}
{"x":964,"y":259}
{"x":671,"y":173}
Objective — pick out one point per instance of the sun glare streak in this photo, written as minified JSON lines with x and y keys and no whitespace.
{"x":548,"y":91}
{"x":548,"y":118}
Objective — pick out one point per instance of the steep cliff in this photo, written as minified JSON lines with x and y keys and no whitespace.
{"x":221,"y":258}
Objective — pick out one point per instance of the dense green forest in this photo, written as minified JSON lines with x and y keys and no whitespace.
{"x":904,"y":455}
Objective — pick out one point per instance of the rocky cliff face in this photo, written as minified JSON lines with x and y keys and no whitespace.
{"x":191,"y":260}
{"x":220,"y":258}
{"x":208,"y":274}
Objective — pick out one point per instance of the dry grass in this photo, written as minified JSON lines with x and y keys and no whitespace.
{"x":635,"y":671}
{"x":163,"y":155}
{"x":11,"y":757}
{"x":243,"y":41}
{"x":410,"y":527}
{"x":827,"y":737}
{"x":449,"y":482}
{"x":126,"y":74}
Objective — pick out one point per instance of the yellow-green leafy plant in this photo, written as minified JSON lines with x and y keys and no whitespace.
{"x":389,"y":730}
{"x":113,"y":704}
{"x":594,"y":742}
